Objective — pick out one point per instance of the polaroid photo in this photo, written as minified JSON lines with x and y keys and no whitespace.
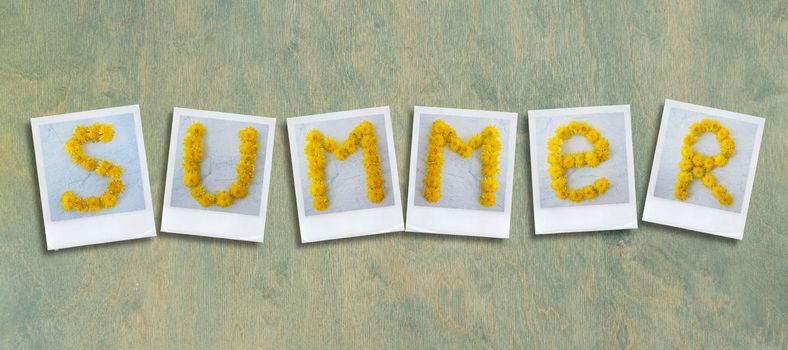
{"x":704,"y":168}
{"x":218,"y":174}
{"x":93,"y":177}
{"x":461,"y":172}
{"x":582,"y":168}
{"x":345,"y":174}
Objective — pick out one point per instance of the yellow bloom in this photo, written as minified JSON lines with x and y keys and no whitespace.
{"x":89,"y":163}
{"x":589,"y":192}
{"x":248,"y":134}
{"x":68,"y":200}
{"x":375,"y":195}
{"x":720,"y":160}
{"x":94,"y":204}
{"x":592,"y":159}
{"x":196,"y":129}
{"x":223,"y":199}
{"x":107,"y":133}
{"x":722,"y":134}
{"x":569,"y":162}
{"x":108,"y":200}
{"x":725,"y":199}
{"x":191,"y":179}
{"x":718,"y":191}
{"x":318,"y":188}
{"x":555,"y":171}
{"x":681,"y":194}
{"x":559,"y":184}
{"x":197,"y":192}
{"x":489,"y":184}
{"x":709,"y":180}
{"x":115,"y":172}
{"x":115,"y":187}
{"x":575,"y":195}
{"x":320,"y":203}
{"x":238,"y":190}
{"x":685,"y":165}
{"x":248,"y":147}
{"x":592,"y":135}
{"x":487,"y":199}
{"x":601,"y":185}
{"x":698,"y":172}
{"x":697,"y":160}
{"x":330,"y":145}
{"x":685,"y":176}
{"x":206,"y":200}
{"x":580,"y":159}
{"x":697,"y":129}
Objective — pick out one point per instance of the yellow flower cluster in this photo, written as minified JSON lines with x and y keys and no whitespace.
{"x":559,"y":162}
{"x":192,"y":158}
{"x":441,"y":134}
{"x":695,"y":165}
{"x":97,"y":132}
{"x":362,"y":135}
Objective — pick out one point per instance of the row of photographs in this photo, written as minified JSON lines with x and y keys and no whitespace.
{"x":344,"y":168}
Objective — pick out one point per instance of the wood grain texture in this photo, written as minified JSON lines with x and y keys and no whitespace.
{"x":656,"y":287}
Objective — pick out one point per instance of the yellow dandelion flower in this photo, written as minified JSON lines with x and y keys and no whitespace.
{"x":601,"y":185}
{"x":69,"y":200}
{"x":238,"y":190}
{"x":685,"y":165}
{"x":487,"y":199}
{"x":559,"y":184}
{"x":320,"y":203}
{"x":93,"y":204}
{"x":725,"y":199}
{"x":592,"y":159}
{"x":698,"y":172}
{"x":115,"y":186}
{"x":589,"y":192}
{"x":489,"y":184}
{"x":709,"y":180}
{"x":575,"y":195}
{"x":223,"y":199}
{"x":206,"y":200}
{"x":569,"y":162}
{"x":681,"y":194}
{"x":108,"y":200}
{"x":318,"y":188}
{"x":191,"y":179}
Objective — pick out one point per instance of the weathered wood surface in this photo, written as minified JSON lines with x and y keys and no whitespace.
{"x":656,"y":287}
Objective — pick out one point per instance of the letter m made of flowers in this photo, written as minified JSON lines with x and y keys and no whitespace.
{"x":441,"y":134}
{"x":317,"y":145}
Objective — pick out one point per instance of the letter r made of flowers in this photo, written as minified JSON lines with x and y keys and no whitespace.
{"x":441,"y":134}
{"x":317,"y":145}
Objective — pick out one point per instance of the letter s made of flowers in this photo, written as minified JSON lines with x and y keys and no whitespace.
{"x":96,"y":132}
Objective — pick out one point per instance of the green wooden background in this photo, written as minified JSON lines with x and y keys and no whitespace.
{"x":656,"y":287}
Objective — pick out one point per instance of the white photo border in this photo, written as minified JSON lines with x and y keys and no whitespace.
{"x":602,"y":217}
{"x":207,"y":223}
{"x":352,"y":223}
{"x":453,"y":221}
{"x":99,"y":229}
{"x":691,"y":216}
